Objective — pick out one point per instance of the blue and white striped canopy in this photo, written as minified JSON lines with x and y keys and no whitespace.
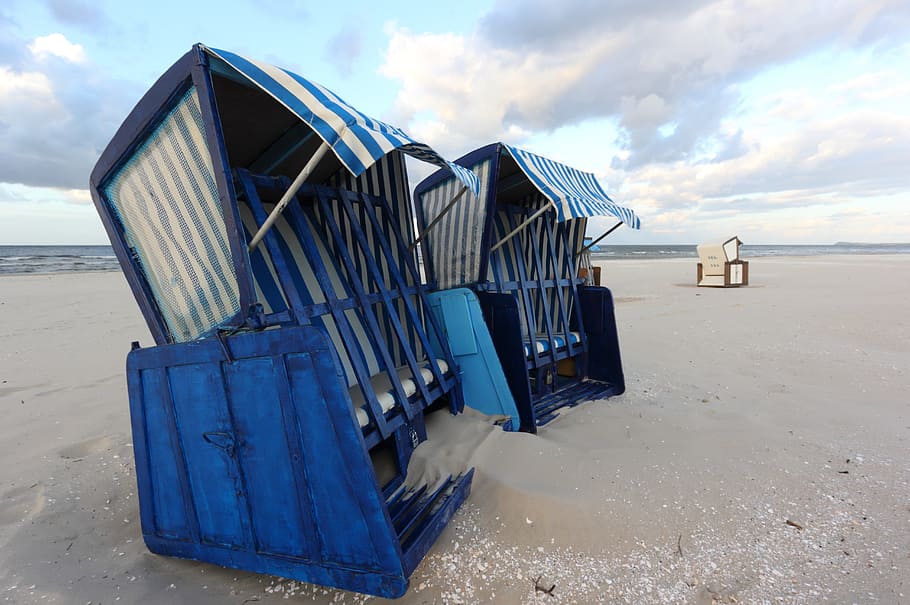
{"x":356,"y":139}
{"x":574,"y":194}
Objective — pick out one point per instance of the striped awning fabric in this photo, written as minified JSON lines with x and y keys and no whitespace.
{"x":358,"y":140}
{"x":574,"y":194}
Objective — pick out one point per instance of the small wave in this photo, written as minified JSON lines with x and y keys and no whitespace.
{"x":55,"y":259}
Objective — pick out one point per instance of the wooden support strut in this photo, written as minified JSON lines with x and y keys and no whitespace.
{"x":292,"y":190}
{"x":517,"y":229}
{"x":594,"y":242}
{"x":438,"y":218}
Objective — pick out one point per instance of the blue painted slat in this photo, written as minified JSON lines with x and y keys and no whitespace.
{"x":524,"y":287}
{"x":295,"y":288}
{"x":303,"y":476}
{"x":377,"y":278}
{"x":416,"y":319}
{"x":560,"y":294}
{"x":399,"y":508}
{"x":543,"y":303}
{"x":270,"y":290}
{"x":172,"y":509}
{"x":568,"y":257}
{"x":344,"y":492}
{"x":294,"y":436}
{"x":366,"y":310}
{"x":419,"y":506}
{"x":276,"y":252}
{"x":394,"y":493}
{"x":298,"y":220}
{"x":141,"y":451}
{"x":207,"y":439}
{"x":263,"y":455}
{"x":419,"y":542}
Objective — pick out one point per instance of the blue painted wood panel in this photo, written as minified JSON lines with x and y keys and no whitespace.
{"x":344,"y":492}
{"x":605,"y":362}
{"x":484,"y":383}
{"x":206,"y":437}
{"x":170,"y":507}
{"x":459,"y":327}
{"x":249,"y":455}
{"x":275,"y":511}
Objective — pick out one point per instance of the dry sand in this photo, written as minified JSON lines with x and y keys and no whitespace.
{"x":759,"y":454}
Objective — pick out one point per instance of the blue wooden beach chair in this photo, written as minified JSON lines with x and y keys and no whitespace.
{"x":518,"y":245}
{"x":295,"y":356}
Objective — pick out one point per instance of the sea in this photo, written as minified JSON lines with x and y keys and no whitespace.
{"x":56,"y":259}
{"x":747,"y":251}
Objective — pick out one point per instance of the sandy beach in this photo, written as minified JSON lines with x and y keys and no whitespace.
{"x":759,"y":454}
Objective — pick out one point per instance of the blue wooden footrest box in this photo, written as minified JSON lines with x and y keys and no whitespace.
{"x":249,"y":455}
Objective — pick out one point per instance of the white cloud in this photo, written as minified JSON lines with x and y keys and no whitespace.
{"x":858,"y":154}
{"x":672,"y":76}
{"x":15,"y":193}
{"x":821,"y":182}
{"x":648,"y":64}
{"x":25,"y":89}
{"x":477,"y":93}
{"x":55,"y":116}
{"x":875,"y":86}
{"x":56,"y":45}
{"x":77,"y":196}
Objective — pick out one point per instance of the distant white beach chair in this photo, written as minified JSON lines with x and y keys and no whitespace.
{"x":719,"y":265}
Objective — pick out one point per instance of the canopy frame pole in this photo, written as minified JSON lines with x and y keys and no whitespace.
{"x":520,"y":227}
{"x":594,"y":243}
{"x":286,"y":198}
{"x":438,"y":218}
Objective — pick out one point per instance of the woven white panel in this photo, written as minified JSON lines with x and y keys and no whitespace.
{"x":167,"y":201}
{"x":455,"y":240}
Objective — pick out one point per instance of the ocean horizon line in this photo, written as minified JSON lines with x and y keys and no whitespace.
{"x":47,"y":258}
{"x":837,"y":243}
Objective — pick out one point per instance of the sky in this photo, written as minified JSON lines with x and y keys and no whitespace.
{"x":779,"y":121}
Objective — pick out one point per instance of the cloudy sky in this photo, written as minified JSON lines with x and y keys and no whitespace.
{"x":780,"y":121}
